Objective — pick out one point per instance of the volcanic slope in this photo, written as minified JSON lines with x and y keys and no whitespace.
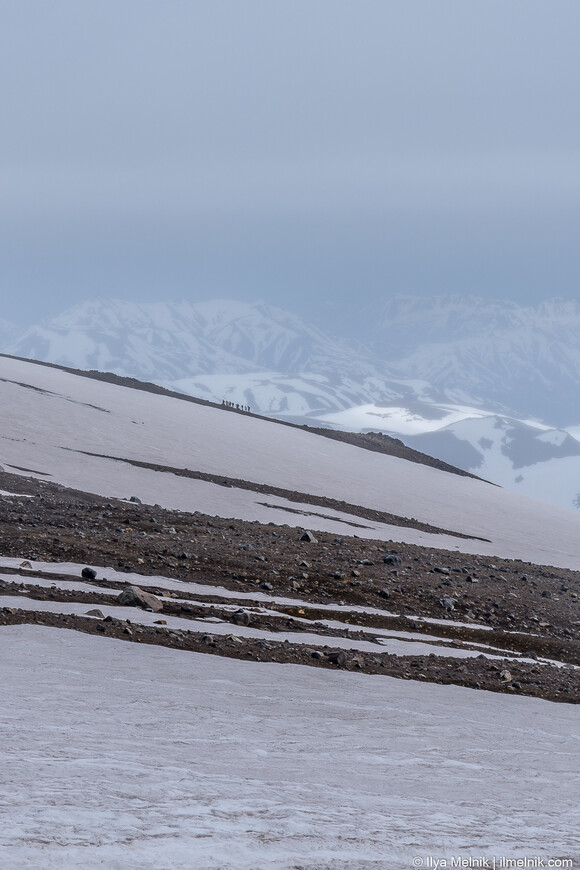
{"x":378,"y":691}
{"x":119,"y":442}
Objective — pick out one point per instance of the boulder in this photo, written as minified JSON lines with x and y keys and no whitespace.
{"x":133,"y":596}
{"x":308,"y":536}
{"x":88,"y":573}
{"x":241,"y":617}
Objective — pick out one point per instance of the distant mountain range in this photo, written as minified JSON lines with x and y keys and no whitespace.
{"x":494,"y":354}
{"x":500,"y":362}
{"x":252,"y":354}
{"x":524,"y":357}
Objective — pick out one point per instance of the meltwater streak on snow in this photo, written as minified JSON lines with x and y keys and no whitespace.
{"x":14,"y":494}
{"x":137,"y":756}
{"x":70,"y":585}
{"x":104,"y":418}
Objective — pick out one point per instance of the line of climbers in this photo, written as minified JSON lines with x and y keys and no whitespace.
{"x":227,"y":404}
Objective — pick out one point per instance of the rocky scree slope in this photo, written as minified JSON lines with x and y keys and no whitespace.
{"x":516,"y":622}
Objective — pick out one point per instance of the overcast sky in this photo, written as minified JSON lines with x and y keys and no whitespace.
{"x":287,"y":149}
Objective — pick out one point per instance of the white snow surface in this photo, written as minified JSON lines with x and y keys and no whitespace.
{"x":51,"y":416}
{"x":411,"y":418}
{"x":119,"y":755}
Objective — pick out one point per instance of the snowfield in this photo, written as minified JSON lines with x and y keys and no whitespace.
{"x":119,"y":755}
{"x":48,"y":434}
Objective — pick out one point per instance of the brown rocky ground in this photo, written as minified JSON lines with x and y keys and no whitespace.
{"x":528,"y":609}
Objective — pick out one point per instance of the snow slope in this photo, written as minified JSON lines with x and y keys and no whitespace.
{"x":121,"y":754}
{"x":132,"y":755}
{"x":53,"y":418}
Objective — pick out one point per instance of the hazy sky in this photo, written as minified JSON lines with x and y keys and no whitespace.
{"x":269,"y":149}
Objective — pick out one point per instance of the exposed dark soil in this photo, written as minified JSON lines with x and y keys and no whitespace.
{"x":526,"y":608}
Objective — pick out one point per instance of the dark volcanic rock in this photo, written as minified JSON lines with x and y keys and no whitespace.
{"x":88,"y":573}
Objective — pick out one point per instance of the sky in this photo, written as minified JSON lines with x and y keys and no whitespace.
{"x":301,"y":152}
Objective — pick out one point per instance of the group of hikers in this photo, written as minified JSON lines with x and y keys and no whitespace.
{"x":227,"y":404}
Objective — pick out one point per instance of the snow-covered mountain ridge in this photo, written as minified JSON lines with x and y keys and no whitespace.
{"x":177,"y":339}
{"x":492,"y":354}
{"x":504,"y":361}
{"x":257,"y":355}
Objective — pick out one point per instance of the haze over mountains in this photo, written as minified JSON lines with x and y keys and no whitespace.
{"x":457,"y":377}
{"x":524,"y":357}
{"x":7,"y":331}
